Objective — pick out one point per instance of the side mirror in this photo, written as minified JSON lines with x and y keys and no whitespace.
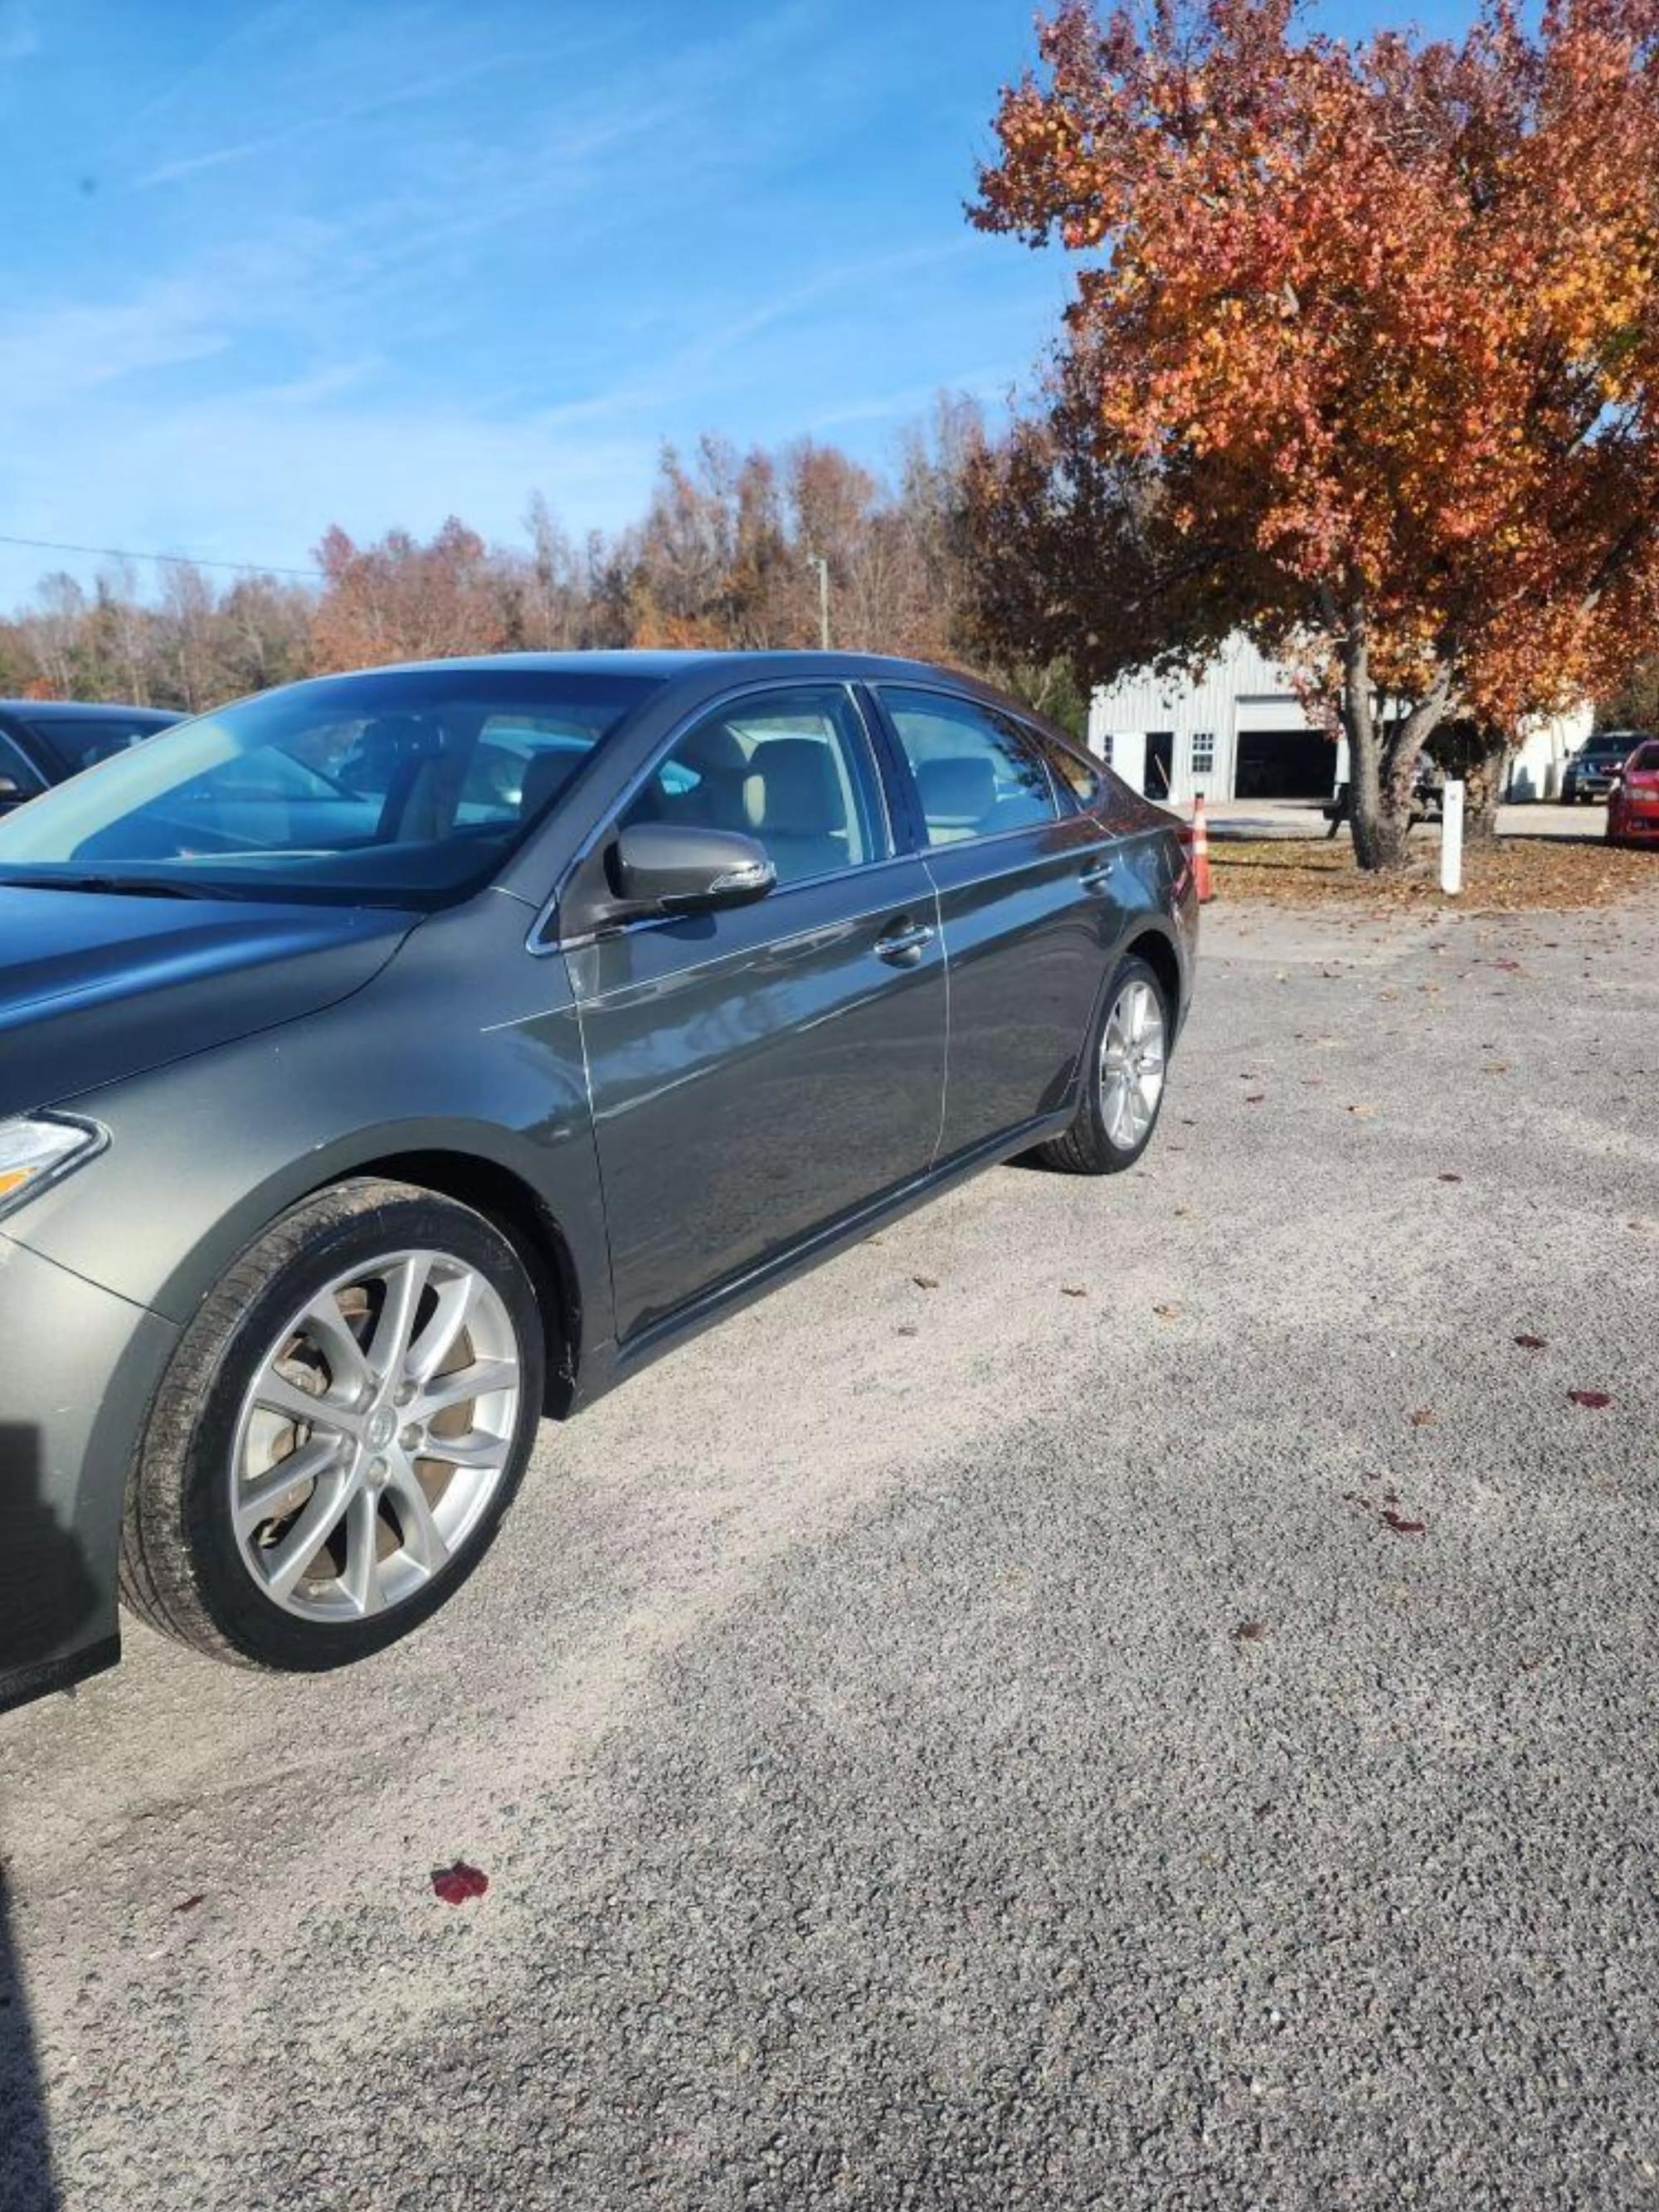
{"x":661,"y":867}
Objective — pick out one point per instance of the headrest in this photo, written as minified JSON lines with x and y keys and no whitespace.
{"x":961,"y":791}
{"x":715,"y":751}
{"x":793,"y":788}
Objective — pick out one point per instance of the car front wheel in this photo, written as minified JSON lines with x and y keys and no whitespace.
{"x":341,"y":1429}
{"x":1122,"y":1089}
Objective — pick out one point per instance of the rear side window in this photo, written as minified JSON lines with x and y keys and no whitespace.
{"x":791,"y":767}
{"x":976,"y":773}
{"x":1646,"y":761}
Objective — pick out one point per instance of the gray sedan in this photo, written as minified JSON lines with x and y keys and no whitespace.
{"x":395,"y":1059}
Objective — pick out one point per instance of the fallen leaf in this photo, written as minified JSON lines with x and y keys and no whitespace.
{"x":1532,"y":1343}
{"x":1255,"y":1098}
{"x":907,"y":1328}
{"x":1251,"y":1631}
{"x":1402,"y":1527}
{"x":1422,"y":1417}
{"x":189,"y":1904}
{"x":1595,"y":1399}
{"x":1451,"y":1178}
{"x":1167,"y":1313}
{"x":1364,"y":1112}
{"x":925,"y":1282}
{"x":457,"y":1883}
{"x":1074,"y":1290}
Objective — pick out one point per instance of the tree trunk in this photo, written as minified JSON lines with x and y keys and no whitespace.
{"x":1485,"y":776}
{"x":1381,"y":767}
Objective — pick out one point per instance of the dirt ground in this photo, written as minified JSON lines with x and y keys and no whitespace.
{"x":1514,"y":874}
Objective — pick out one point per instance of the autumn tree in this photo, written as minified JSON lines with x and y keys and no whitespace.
{"x":1362,"y":355}
{"x":402,"y":601}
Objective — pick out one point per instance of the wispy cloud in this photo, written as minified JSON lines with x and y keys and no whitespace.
{"x":442,"y":85}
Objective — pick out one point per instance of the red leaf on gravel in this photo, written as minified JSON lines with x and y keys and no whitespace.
{"x":1422,"y":1417}
{"x":925,"y":1282}
{"x":1451,"y":1178}
{"x":457,"y":1883}
{"x":1255,"y":1098}
{"x":1401,"y":1526}
{"x":1532,"y":1343}
{"x":1594,"y":1399}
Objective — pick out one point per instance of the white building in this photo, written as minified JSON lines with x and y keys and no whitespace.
{"x":1240,"y":731}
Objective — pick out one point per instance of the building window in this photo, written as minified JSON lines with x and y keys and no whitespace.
{"x":1204,"y":753}
{"x":1103,"y":748}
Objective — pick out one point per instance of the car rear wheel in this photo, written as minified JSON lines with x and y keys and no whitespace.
{"x":1123,"y":1094}
{"x":341,"y":1429}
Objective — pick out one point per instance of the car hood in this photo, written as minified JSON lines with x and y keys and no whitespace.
{"x":95,"y":987}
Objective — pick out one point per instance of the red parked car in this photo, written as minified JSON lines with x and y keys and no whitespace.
{"x":1633,"y":802}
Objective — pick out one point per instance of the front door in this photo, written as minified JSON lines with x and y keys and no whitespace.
{"x":758,"y":1073}
{"x":1026,"y":901}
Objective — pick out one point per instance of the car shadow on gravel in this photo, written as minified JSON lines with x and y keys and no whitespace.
{"x":46,"y":1594}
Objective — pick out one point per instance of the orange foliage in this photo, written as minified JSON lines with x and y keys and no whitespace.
{"x":1383,"y":321}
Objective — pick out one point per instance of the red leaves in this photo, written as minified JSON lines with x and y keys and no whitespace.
{"x":1422,"y":1417}
{"x":1532,"y":1343}
{"x":457,"y":1883}
{"x":1447,"y":1177}
{"x":1401,"y":1526}
{"x":1593,"y":1400}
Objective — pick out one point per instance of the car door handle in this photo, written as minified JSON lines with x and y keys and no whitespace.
{"x":1098,"y":872}
{"x":902,"y":948}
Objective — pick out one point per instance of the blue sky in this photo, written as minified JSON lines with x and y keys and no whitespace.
{"x":276,"y":264}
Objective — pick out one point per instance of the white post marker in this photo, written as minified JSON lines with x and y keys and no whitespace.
{"x":1451,"y":839}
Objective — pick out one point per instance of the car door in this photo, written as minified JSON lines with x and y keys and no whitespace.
{"x":1024,"y":875}
{"x":759,"y":1071}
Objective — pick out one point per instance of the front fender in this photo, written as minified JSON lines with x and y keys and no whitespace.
{"x":465,"y":1044}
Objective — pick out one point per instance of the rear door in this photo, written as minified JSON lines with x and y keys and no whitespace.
{"x":758,"y":1073}
{"x":1024,"y":875}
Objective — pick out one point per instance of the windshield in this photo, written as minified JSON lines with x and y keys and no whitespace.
{"x":405,"y":787}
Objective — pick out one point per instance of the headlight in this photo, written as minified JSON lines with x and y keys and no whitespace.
{"x":42,"y":1150}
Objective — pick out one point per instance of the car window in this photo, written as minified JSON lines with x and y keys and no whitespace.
{"x":790,"y":768}
{"x":79,"y":740}
{"x":1071,"y":773}
{"x":15,"y":765}
{"x":1647,"y":760}
{"x":976,"y":773}
{"x":411,"y":784}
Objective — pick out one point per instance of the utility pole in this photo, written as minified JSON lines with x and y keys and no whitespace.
{"x":817,"y":561}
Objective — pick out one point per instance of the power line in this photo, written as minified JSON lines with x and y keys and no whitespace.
{"x":176,"y":559}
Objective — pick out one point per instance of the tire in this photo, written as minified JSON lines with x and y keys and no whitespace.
{"x":301,"y":1318}
{"x":1099,"y":1142}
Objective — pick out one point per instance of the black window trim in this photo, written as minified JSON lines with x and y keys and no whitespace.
{"x":543,"y":937}
{"x":1065,"y":807}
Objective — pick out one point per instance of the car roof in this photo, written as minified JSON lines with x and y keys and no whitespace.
{"x":692,"y":675}
{"x":55,"y":710}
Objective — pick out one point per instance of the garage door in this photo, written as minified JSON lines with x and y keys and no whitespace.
{"x":1284,"y":764}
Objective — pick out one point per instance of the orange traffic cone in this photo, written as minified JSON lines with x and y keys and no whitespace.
{"x":1201,"y":851}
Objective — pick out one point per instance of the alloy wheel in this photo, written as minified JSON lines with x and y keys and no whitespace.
{"x":1133,"y":1062}
{"x":377,"y":1430}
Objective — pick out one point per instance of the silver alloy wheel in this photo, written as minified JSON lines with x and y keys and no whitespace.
{"x":373,"y":1435}
{"x":1132,"y":1064}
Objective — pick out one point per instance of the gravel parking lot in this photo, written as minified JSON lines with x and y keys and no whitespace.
{"x":1163,"y":1715}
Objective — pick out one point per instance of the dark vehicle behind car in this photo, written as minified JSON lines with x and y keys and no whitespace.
{"x":43,"y":741}
{"x":1593,"y":769}
{"x":393,"y":1059}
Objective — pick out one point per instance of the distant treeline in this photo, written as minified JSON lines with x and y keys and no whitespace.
{"x":723,"y":556}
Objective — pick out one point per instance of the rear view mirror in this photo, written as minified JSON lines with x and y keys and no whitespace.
{"x":662,"y":868}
